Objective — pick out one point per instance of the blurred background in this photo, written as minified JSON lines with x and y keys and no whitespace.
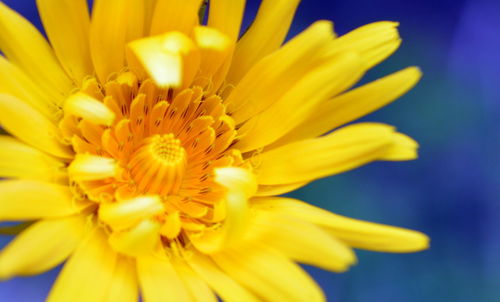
{"x":451,"y":192}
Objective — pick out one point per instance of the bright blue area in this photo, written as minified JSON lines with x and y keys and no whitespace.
{"x":452,"y":191}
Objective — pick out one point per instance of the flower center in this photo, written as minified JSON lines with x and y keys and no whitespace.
{"x":147,"y":157}
{"x":159,"y":164}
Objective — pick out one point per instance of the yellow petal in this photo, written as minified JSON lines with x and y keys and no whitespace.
{"x":127,"y":213}
{"x":67,"y":25}
{"x":225,"y":287}
{"x":164,"y":58}
{"x":149,"y":11}
{"x":300,"y":101}
{"x":31,"y":126}
{"x":403,"y":148}
{"x":240,"y":185}
{"x":29,"y":200}
{"x":275,"y":190}
{"x":18,"y":160}
{"x":198,"y":288}
{"x":89,"y":273}
{"x":276,"y":74}
{"x":269,"y":274}
{"x":90,"y":167}
{"x":353,"y":105}
{"x":214,"y":47}
{"x":301,"y":241}
{"x":258,"y":41}
{"x":89,"y":108}
{"x":356,"y":233}
{"x":159,"y":281}
{"x":226,"y":16}
{"x":172,"y":226}
{"x":22,"y":44}
{"x":173,"y":15}
{"x":15,"y":82}
{"x":41,"y":247}
{"x":141,"y":239}
{"x":124,"y":286}
{"x":110,"y":29}
{"x":343,"y":150}
{"x":374,"y":42}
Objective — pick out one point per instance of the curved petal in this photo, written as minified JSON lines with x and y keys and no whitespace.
{"x":30,"y":126}
{"x":89,"y":273}
{"x":18,"y":160}
{"x":124,"y":285}
{"x":114,"y":23}
{"x":173,"y":15}
{"x":199,"y":289}
{"x":352,"y":105}
{"x":29,"y":200}
{"x":301,"y":241}
{"x":374,"y":42}
{"x":227,"y":288}
{"x":15,"y":82}
{"x":42,"y":246}
{"x":298,"y":103}
{"x":226,"y":16}
{"x":258,"y":41}
{"x":356,"y":233}
{"x":159,"y":281}
{"x":276,"y":74}
{"x":269,"y":274}
{"x":343,"y":150}
{"x":67,"y":25}
{"x":22,"y":44}
{"x":240,"y":185}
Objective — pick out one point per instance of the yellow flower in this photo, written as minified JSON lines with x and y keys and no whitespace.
{"x":147,"y":148}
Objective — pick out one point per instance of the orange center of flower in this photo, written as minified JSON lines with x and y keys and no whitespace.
{"x":152,"y":167}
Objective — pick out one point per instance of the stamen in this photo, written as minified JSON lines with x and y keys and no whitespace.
{"x":159,"y":164}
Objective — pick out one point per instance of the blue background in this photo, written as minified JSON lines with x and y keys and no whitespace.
{"x":451,"y":192}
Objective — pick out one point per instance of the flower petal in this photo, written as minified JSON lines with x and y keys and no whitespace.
{"x":127,"y":213}
{"x":89,"y":273}
{"x":276,"y":74}
{"x":301,"y":241}
{"x":41,"y":247}
{"x":30,"y":126}
{"x":300,"y":101}
{"x":226,"y":16}
{"x":124,"y":286}
{"x":114,"y":23}
{"x":18,"y":160}
{"x":199,"y":289}
{"x":159,"y":281}
{"x":22,"y":44}
{"x":343,"y":150}
{"x":67,"y":25}
{"x":258,"y":41}
{"x":15,"y":82}
{"x":89,"y":108}
{"x":374,"y":42}
{"x":271,"y":275}
{"x":29,"y":200}
{"x":353,"y":105}
{"x":86,"y":167}
{"x":240,"y":185}
{"x":227,"y":288}
{"x":356,"y":233}
{"x":173,"y":15}
{"x":168,"y":59}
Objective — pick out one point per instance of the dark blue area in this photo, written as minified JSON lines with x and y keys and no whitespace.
{"x":451,"y":192}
